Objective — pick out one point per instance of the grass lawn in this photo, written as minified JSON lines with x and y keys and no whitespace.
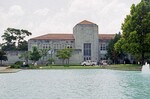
{"x":71,"y":67}
{"x":125,"y":67}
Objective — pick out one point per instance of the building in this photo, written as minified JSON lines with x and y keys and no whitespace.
{"x":86,"y":41}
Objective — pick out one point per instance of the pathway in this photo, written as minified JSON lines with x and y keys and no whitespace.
{"x":8,"y":70}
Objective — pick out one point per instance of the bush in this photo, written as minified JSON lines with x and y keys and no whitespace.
{"x":17,"y":64}
{"x":51,"y":60}
{"x":33,"y":67}
{"x":66,"y":65}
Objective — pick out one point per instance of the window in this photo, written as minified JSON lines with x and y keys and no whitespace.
{"x":43,"y":46}
{"x":63,"y":46}
{"x":72,"y":41}
{"x":69,"y":46}
{"x":49,"y":46}
{"x":87,"y":51}
{"x":54,"y":46}
{"x":103,"y":46}
{"x":46,"y":47}
{"x":46,"y":41}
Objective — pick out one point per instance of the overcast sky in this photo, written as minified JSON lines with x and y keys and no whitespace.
{"x":60,"y":16}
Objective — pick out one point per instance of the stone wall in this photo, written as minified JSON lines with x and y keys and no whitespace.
{"x":86,"y":33}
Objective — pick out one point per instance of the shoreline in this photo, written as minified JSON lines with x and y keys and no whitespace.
{"x":121,"y":67}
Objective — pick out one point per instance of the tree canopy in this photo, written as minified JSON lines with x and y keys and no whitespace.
{"x":35,"y":54}
{"x":64,"y":54}
{"x":136,"y":30}
{"x":113,"y":54}
{"x":25,"y":56}
{"x":43,"y":53}
{"x":14,"y":39}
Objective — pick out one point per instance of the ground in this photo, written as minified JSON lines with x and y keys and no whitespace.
{"x":124,"y":67}
{"x":8,"y":70}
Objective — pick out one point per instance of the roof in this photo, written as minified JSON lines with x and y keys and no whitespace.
{"x":54,"y":37}
{"x":86,"y":22}
{"x":106,"y":36}
{"x":68,"y":37}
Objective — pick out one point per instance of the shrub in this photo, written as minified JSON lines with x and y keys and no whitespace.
{"x":66,"y":65}
{"x":17,"y":64}
{"x":33,"y":67}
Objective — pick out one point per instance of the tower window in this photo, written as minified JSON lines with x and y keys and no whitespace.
{"x":87,"y":51}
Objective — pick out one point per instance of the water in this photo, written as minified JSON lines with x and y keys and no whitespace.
{"x":75,"y":84}
{"x":146,"y":69}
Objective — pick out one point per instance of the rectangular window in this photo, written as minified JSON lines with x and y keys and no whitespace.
{"x":49,"y":46}
{"x":87,"y":51}
{"x":103,"y":47}
{"x":72,"y":41}
{"x":43,"y":46}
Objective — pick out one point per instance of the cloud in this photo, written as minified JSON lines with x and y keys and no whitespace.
{"x":16,"y":10}
{"x":42,"y":12}
{"x":11,"y":18}
{"x":108,"y":14}
{"x":61,"y":18}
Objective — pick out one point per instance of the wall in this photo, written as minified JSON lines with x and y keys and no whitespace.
{"x":13,"y":56}
{"x":86,"y":33}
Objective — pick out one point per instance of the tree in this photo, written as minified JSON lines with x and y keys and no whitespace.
{"x":3,"y":56}
{"x":14,"y":37}
{"x":8,"y":46}
{"x":64,"y":54}
{"x":44,"y":53}
{"x":35,"y":54}
{"x":25,"y":56}
{"x":51,"y":60}
{"x":113,"y":54}
{"x":23,"y":46}
{"x":136,"y":30}
{"x":69,"y":53}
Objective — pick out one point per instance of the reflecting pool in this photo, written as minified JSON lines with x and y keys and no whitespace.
{"x":75,"y":84}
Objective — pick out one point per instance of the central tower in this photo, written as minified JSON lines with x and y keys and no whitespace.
{"x":86,"y":39}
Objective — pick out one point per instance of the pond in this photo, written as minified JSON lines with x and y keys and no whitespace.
{"x":75,"y":84}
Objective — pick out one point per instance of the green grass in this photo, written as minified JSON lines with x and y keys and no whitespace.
{"x":70,"y":67}
{"x":125,"y":67}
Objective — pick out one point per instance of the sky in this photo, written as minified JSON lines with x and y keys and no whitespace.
{"x":60,"y":16}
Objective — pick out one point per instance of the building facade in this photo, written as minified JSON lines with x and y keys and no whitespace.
{"x":86,"y":41}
